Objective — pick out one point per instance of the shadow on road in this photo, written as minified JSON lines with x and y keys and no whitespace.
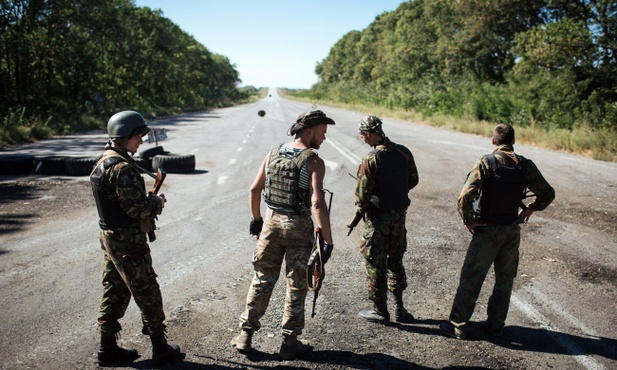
{"x":547,"y":341}
{"x":15,"y":193}
{"x":527,"y":339}
{"x":327,"y":359}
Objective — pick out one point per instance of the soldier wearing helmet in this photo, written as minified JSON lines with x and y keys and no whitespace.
{"x":126,"y":213}
{"x":385,"y":177}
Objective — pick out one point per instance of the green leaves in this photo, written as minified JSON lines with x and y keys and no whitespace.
{"x":539,"y":62}
{"x":66,"y":58}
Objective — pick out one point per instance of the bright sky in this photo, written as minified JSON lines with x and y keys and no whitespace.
{"x":272,"y":43}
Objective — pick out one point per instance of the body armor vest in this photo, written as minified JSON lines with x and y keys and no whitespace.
{"x":111,"y":215}
{"x":503,"y":191}
{"x":392,"y":185}
{"x":282,"y":179}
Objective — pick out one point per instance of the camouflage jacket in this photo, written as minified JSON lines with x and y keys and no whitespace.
{"x":368,"y":174}
{"x":472,"y":189}
{"x":125,"y":185}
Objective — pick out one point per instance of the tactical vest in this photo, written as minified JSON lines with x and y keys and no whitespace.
{"x":111,"y":215}
{"x":503,"y":191}
{"x":282,"y":188}
{"x":392,"y":185}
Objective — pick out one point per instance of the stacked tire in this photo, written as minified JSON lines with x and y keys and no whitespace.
{"x":50,"y":165}
{"x":16,"y":165}
{"x":151,"y":159}
{"x":173,"y":163}
{"x":157,"y":158}
{"x":80,"y":166}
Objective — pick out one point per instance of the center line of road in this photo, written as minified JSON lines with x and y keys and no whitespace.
{"x":221,"y":180}
{"x":233,"y":161}
{"x":354,"y":159}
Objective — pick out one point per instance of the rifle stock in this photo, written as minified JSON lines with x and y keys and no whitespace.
{"x":316,"y":271}
{"x":158,"y":182}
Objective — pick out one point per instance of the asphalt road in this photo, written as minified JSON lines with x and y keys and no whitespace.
{"x":562,"y":310}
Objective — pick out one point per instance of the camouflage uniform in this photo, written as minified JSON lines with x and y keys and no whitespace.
{"x":385,"y":236}
{"x":127,"y":264}
{"x":289,"y":236}
{"x":492,"y":244}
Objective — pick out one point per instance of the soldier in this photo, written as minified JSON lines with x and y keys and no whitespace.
{"x":126,"y":213}
{"x":291,"y":178}
{"x":499,"y":181}
{"x":385,"y":177}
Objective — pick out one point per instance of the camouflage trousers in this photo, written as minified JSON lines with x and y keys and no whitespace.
{"x":287,"y":237}
{"x":384,"y":242}
{"x":491,"y":244}
{"x":127,"y":271}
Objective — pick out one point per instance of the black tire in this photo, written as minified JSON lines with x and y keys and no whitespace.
{"x":50,"y":165}
{"x":16,"y":165}
{"x":145,"y":163}
{"x":174,"y":163}
{"x":151,"y":152}
{"x":79,"y":166}
{"x":261,"y":113}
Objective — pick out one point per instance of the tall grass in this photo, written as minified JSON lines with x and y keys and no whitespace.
{"x":600,"y":143}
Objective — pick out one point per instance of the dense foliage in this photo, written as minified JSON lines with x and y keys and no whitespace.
{"x":544,"y":63}
{"x":70,"y":64}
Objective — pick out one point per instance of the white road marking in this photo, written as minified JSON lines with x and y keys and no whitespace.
{"x":221,"y":180}
{"x":354,"y":159}
{"x":239,"y":149}
{"x":562,"y":340}
{"x":330,"y":164}
{"x":233,"y":161}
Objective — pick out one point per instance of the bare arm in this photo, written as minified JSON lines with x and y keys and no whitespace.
{"x":317,"y":171}
{"x":257,"y":187}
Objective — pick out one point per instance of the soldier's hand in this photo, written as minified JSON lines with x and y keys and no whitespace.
{"x":525,"y":214}
{"x":327,"y":252}
{"x":473,"y":225}
{"x":255,"y":227}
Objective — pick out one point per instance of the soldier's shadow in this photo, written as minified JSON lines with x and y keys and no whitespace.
{"x":548,"y":341}
{"x":527,"y":339}
{"x":330,"y":358}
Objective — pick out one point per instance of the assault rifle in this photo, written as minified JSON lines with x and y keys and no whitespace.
{"x":158,"y":182}
{"x":356,"y":218}
{"x":354,"y":222}
{"x":316,"y":272}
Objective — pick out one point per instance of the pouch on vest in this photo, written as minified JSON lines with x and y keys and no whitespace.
{"x":282,"y":179}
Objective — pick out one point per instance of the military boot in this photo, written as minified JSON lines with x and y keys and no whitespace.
{"x":242,"y":341}
{"x":400,"y":313}
{"x":378,"y":314}
{"x":292,"y":346}
{"x":111,"y":354}
{"x":163,"y":352}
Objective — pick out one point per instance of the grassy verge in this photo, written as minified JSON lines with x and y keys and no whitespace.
{"x":600,"y":144}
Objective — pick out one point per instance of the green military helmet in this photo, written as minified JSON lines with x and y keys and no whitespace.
{"x":370,"y":124}
{"x":126,"y":124}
